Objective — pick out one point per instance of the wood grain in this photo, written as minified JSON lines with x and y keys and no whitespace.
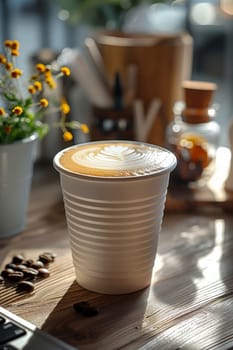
{"x":188,"y":305}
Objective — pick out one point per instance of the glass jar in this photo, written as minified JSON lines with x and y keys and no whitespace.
{"x":193,"y":137}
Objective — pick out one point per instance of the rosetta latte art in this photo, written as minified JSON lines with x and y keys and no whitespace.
{"x":116,"y":159}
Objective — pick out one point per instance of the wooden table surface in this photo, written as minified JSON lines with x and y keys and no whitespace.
{"x":189,"y":304}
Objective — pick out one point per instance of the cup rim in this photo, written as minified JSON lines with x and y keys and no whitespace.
{"x":63,"y":170}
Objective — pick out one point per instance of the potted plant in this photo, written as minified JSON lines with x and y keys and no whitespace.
{"x":22,"y":108}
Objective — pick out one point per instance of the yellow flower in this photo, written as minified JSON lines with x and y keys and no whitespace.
{"x":8,"y":66}
{"x":17,"y":110}
{"x":67,"y":136}
{"x":2,"y":111}
{"x":16,"y":73}
{"x":65,"y":71}
{"x":15,"y":52}
{"x":44,"y":102}
{"x":8,"y":43}
{"x":48,"y":72}
{"x":15,"y":45}
{"x":49,"y":79}
{"x":40,"y":67}
{"x":51,"y":83}
{"x":65,"y":108}
{"x":38,"y":85}
{"x":31,"y":89}
{"x":2,"y":59}
{"x":84,"y":128}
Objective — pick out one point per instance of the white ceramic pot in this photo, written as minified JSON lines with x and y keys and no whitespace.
{"x":16,"y":169}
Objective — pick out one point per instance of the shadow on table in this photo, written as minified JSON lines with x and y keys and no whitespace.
{"x":119,"y":320}
{"x":196,"y":279}
{"x":184,"y":244}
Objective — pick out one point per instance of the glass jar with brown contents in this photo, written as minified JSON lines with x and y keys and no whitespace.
{"x":194,"y":135}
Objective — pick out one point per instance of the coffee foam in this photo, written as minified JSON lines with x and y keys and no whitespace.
{"x":116,"y":159}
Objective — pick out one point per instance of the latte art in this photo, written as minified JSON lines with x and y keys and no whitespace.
{"x":116,"y":159}
{"x":113,"y":157}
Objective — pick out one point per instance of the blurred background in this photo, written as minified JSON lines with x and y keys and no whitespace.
{"x":59,"y":24}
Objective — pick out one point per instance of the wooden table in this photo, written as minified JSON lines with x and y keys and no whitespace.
{"x":188,"y":306}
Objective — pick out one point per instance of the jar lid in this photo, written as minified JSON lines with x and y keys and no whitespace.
{"x":198,"y":94}
{"x":198,"y":97}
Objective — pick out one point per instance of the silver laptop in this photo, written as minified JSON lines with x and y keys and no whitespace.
{"x":19,"y":334}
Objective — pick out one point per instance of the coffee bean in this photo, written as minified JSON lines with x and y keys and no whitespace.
{"x":10,"y":266}
{"x":15,"y":276}
{"x":37,"y":265}
{"x":30,"y":273}
{"x":20,"y":267}
{"x":46,"y":258}
{"x":28,"y":262}
{"x":25,"y":286}
{"x":85,"y":309}
{"x":6,"y":272}
{"x":17,"y":259}
{"x":43,"y":272}
{"x":52,"y":255}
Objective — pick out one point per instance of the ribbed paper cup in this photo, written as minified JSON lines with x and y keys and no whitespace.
{"x":113,"y":225}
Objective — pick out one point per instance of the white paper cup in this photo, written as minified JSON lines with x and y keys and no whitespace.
{"x":114,"y":224}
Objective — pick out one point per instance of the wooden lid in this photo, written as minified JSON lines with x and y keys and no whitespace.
{"x":198,"y":94}
{"x":198,"y":97}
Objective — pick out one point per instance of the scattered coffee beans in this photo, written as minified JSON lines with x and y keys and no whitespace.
{"x":85,"y":309}
{"x":25,"y":273}
{"x":47,"y":258}
{"x":15,"y":276}
{"x":5,"y":273}
{"x":30,"y":273}
{"x":43,"y":272}
{"x":10,"y":266}
{"x":25,"y":286}
{"x":37,"y":264}
{"x":28,"y":262}
{"x":20,"y":267}
{"x":17,"y":259}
